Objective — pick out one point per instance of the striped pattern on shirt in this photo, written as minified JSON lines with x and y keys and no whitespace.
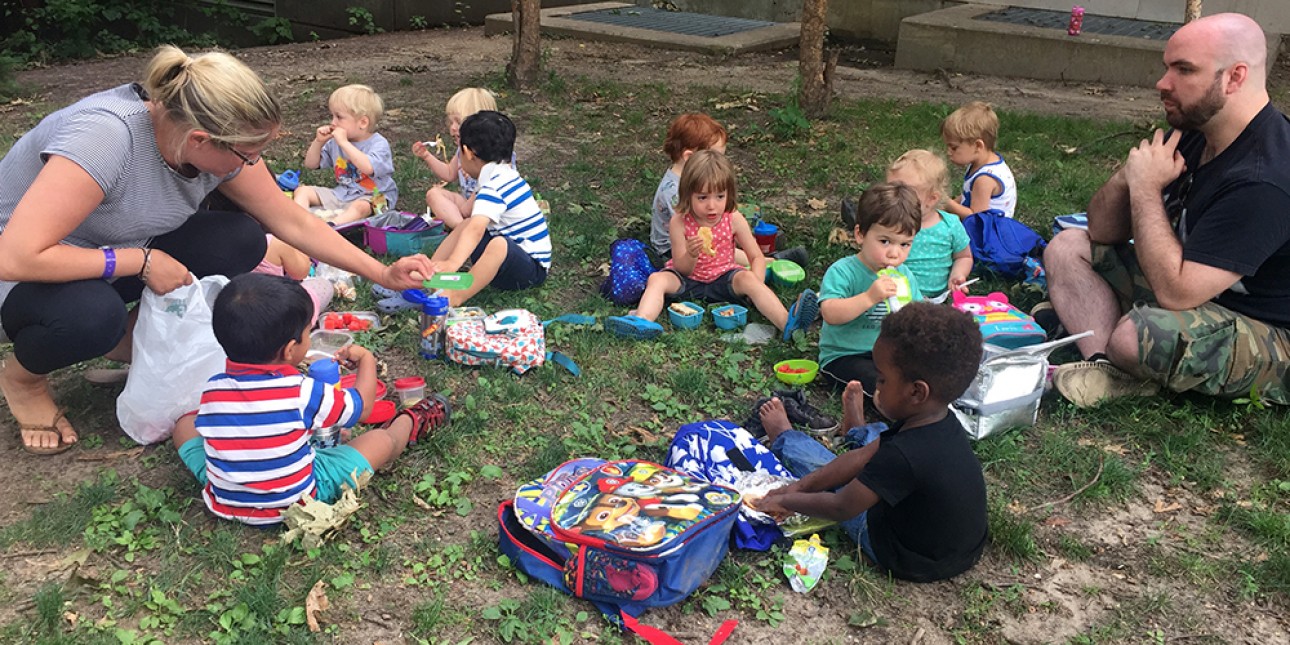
{"x":110,"y":136}
{"x":505,"y":198}
{"x":257,"y":421}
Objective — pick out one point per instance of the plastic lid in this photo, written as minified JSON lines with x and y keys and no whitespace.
{"x":788,"y":270}
{"x":325,"y":370}
{"x":409,"y":383}
{"x":765,"y":228}
{"x":435,"y":306}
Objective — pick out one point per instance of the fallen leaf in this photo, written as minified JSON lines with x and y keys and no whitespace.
{"x":315,"y":603}
{"x":70,"y":617}
{"x":421,"y":503}
{"x":817,"y":204}
{"x":1085,"y":441}
{"x":1115,"y":448}
{"x":1202,"y":509}
{"x":1161,"y":507}
{"x":1056,"y":521}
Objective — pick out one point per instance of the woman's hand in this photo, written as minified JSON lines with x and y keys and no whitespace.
{"x":408,"y":272}
{"x":164,"y":274}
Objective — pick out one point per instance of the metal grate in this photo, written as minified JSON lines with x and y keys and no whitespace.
{"x":1100,"y":25}
{"x":673,"y":22}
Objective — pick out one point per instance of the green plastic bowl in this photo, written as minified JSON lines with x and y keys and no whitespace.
{"x":786,"y":273}
{"x":812,"y":369}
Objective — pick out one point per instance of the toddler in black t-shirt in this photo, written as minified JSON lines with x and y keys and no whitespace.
{"x":913,"y":498}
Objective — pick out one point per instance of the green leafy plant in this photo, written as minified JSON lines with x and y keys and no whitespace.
{"x":362,"y":18}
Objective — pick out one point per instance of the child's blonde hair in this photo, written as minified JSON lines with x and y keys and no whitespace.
{"x":361,"y":101}
{"x":213,"y":92}
{"x":929,"y":168}
{"x":707,"y":171}
{"x":469,"y":101}
{"x":973,"y":121}
{"x":894,"y":206}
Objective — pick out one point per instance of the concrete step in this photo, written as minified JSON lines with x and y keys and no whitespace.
{"x":624,"y":22}
{"x":959,"y":39}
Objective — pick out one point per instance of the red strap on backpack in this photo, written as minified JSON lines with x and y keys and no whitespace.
{"x":656,"y":636}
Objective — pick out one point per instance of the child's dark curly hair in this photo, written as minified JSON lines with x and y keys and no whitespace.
{"x":936,"y":344}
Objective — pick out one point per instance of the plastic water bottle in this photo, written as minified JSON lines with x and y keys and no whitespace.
{"x":434,"y":327}
{"x":326,"y":370}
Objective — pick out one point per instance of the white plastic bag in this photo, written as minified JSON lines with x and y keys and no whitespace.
{"x":175,"y":352}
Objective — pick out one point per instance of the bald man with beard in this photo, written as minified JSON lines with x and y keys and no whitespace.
{"x":1184,"y":272}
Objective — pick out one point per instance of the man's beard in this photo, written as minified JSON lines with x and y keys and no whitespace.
{"x":1195,"y":116}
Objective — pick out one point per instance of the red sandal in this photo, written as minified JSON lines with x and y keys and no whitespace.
{"x":427,"y":415}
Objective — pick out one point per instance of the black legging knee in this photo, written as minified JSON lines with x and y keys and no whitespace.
{"x":53,"y":325}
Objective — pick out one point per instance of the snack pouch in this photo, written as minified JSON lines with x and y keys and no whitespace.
{"x":806,"y":563}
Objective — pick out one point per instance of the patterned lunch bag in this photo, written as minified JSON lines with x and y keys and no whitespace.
{"x":511,"y":338}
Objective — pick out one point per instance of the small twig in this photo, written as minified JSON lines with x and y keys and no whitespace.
{"x":379,"y":622}
{"x":23,"y":554}
{"x":1096,"y":476}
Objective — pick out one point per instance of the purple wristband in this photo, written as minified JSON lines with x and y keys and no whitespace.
{"x":109,"y":263}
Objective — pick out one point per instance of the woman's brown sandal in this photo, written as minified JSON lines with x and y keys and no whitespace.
{"x":427,"y":415}
{"x":62,"y":446}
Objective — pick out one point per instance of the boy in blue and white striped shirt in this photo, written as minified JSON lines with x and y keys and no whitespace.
{"x":506,"y":236}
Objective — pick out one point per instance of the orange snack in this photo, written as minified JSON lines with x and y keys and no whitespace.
{"x":705,"y":232}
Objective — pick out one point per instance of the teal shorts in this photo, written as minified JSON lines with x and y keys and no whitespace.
{"x":332,"y":467}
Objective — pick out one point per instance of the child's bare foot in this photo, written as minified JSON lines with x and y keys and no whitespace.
{"x":43,"y":427}
{"x":852,"y":406}
{"x":773,"y":418}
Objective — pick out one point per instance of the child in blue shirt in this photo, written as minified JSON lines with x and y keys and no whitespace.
{"x":940,"y":257}
{"x":853,"y":297}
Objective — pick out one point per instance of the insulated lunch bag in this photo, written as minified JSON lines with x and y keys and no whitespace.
{"x":511,"y":338}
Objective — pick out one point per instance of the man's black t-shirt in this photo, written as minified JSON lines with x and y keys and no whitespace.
{"x":1233,"y":213}
{"x":930,"y":519}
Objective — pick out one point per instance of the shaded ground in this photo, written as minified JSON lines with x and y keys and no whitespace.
{"x":1052,"y":599}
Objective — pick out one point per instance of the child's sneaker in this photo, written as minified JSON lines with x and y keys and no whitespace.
{"x":804,"y":415}
{"x":427,"y":415}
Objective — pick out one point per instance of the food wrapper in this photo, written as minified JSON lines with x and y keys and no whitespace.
{"x":752,"y":486}
{"x":806,"y":563}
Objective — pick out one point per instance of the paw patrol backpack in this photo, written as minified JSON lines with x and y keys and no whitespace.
{"x":627,"y":535}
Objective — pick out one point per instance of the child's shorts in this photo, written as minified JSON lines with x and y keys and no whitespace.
{"x":720,"y":290}
{"x":518,"y":271}
{"x":332,"y":467}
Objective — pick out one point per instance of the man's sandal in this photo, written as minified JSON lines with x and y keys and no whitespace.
{"x":427,"y":415}
{"x":62,"y":446}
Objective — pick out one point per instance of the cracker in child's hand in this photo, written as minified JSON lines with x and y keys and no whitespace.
{"x":705,"y":232}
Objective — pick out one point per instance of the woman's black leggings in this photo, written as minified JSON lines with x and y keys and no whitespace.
{"x":53,"y":325}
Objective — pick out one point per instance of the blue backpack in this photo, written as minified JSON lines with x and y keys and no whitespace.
{"x":629,"y":270}
{"x":626,"y":535}
{"x":1000,"y":244}
{"x":718,"y":451}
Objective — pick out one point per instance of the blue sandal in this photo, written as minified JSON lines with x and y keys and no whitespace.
{"x":802,"y":314}
{"x":633,"y":327}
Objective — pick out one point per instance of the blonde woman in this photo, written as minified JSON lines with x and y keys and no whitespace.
{"x":104,"y":198}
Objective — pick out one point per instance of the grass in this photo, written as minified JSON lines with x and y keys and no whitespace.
{"x":598,"y":165}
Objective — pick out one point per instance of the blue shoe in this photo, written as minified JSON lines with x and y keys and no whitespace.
{"x":633,"y":327}
{"x":395,"y":304}
{"x":381,"y":293}
{"x":802,"y":314}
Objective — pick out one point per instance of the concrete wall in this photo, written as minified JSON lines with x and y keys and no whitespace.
{"x":880,"y":19}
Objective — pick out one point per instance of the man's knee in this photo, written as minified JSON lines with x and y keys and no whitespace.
{"x":1067,"y":248}
{"x":1124,"y":346}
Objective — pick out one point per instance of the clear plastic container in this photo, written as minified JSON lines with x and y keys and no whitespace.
{"x":410,"y":390}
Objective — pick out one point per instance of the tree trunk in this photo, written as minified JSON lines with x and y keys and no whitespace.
{"x":1192,"y":12}
{"x":526,"y":55}
{"x":816,"y":75}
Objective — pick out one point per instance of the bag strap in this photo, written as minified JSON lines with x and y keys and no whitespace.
{"x":656,"y":636}
{"x":572,"y":319}
{"x":565,"y":362}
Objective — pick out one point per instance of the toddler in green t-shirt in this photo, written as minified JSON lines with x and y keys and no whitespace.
{"x":940,"y":257}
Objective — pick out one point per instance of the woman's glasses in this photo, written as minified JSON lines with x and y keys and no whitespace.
{"x":250,"y":161}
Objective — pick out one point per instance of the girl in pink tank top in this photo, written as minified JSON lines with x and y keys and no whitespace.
{"x":705,"y":231}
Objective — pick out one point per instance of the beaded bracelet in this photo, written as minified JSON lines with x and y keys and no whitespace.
{"x":109,"y":263}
